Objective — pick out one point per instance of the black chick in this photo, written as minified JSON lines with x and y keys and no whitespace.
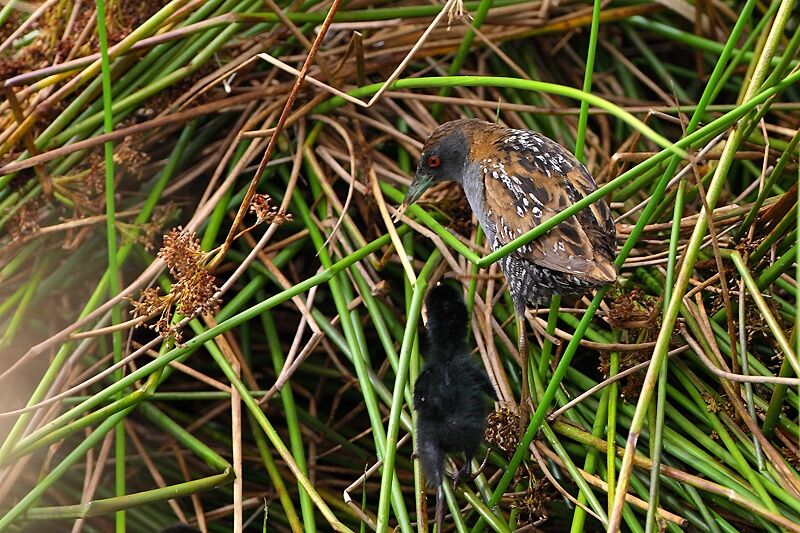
{"x":450,"y":395}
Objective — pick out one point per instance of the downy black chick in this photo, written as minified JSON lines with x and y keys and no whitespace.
{"x":451,"y":394}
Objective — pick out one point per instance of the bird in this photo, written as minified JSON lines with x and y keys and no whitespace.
{"x":515,"y":180}
{"x":451,"y":394}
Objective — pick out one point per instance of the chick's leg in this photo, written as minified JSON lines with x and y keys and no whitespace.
{"x":439,"y":508}
{"x":465,"y":473}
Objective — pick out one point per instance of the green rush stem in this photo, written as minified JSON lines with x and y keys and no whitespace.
{"x":473,"y":280}
{"x":110,"y":505}
{"x":194,"y":343}
{"x":776,"y":402}
{"x":758,"y":52}
{"x":661,"y":399}
{"x":590,"y":463}
{"x":63,"y":467}
{"x":547,"y":345}
{"x":378,"y":318}
{"x":544,"y":404}
{"x":655,"y":64}
{"x":462,"y":52}
{"x":713,"y":466}
{"x":770,"y":274}
{"x":452,"y":504}
{"x":738,"y":493}
{"x":195,"y":445}
{"x":420,"y":503}
{"x":105,"y":506}
{"x":747,"y":45}
{"x":778,"y":232}
{"x":583,"y":118}
{"x":19,"y":260}
{"x":611,"y":427}
{"x":20,"y":294}
{"x":126,"y":104}
{"x":687,"y":452}
{"x":398,"y":396}
{"x":692,"y":388}
{"x":484,"y":511}
{"x":748,"y":387}
{"x":290,"y":414}
{"x":585,"y":492}
{"x":255,"y":409}
{"x":89,"y":74}
{"x":113,"y":267}
{"x":64,"y":352}
{"x":275,"y":477}
{"x":6,"y":11}
{"x":513,"y":83}
{"x":689,"y":259}
{"x":26,"y":293}
{"x":561,"y":369}
{"x":763,"y":307}
{"x":690,"y":39}
{"x":359,"y":356}
{"x":14,"y":203}
{"x":759,"y":368}
{"x":374,"y":14}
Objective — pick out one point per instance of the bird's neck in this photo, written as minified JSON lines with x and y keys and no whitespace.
{"x":474,"y":190}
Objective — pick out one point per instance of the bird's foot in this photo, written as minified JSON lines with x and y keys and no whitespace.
{"x":464,"y":474}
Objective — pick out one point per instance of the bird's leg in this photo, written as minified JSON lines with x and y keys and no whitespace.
{"x":483,"y":464}
{"x":439,"y":508}
{"x":464,"y":474}
{"x":525,"y":395}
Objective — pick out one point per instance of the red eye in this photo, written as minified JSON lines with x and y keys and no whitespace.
{"x":434,"y":161}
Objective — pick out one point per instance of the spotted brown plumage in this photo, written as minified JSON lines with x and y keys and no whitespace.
{"x":514,"y":181}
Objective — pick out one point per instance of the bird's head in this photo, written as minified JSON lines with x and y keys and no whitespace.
{"x":445,"y":157}
{"x":447,"y":316}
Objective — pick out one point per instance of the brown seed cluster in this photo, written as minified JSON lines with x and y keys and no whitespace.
{"x":262,"y":207}
{"x":186,"y":261}
{"x":25,"y":221}
{"x":756,"y":328}
{"x":129,"y":156}
{"x":630,"y":310}
{"x":194,"y":288}
{"x":502,"y":430}
{"x":531,"y":503}
{"x":146,"y":234}
{"x":792,"y":456}
{"x":716,"y":403}
{"x":635,"y":313}
{"x":51,"y":41}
